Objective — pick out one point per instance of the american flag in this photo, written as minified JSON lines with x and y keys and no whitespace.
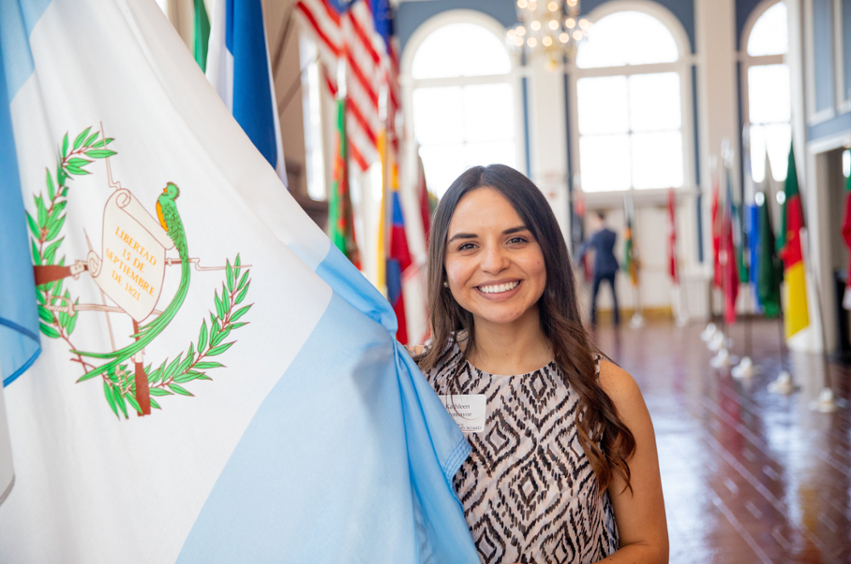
{"x":356,"y":35}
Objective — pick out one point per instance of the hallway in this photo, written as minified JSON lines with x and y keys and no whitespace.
{"x":749,"y":476}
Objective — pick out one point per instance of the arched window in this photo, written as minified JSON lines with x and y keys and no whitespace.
{"x":463,"y":94}
{"x":630,"y":111}
{"x":765,"y":80}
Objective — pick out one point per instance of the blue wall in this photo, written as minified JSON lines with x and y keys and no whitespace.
{"x":743,"y":10}
{"x":683,"y":9}
{"x":846,"y":45}
{"x":836,"y":126}
{"x":823,"y":54}
{"x":824,"y":70}
{"x":410,"y":15}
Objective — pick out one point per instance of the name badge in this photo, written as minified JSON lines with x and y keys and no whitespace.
{"x":468,"y":411}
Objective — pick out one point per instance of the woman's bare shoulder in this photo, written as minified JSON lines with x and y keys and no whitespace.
{"x":618,"y":384}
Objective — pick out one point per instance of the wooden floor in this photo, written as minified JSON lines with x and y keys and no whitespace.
{"x":748,"y":476}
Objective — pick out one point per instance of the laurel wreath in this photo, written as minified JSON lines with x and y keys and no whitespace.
{"x":46,"y":226}
{"x":167,"y":380}
{"x":119,"y":384}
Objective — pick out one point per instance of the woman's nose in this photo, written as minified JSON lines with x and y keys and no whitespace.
{"x":494,"y":259}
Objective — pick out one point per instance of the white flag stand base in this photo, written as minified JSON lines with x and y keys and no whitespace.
{"x":827,"y":402}
{"x":719,"y":342}
{"x":709,"y":332}
{"x":637,"y":321}
{"x":783,"y":384}
{"x":745,"y":369}
{"x":723,"y":359}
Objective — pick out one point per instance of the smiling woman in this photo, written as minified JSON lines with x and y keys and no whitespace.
{"x":564,"y":468}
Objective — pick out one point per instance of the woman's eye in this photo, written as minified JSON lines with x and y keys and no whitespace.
{"x":516,"y":240}
{"x":466,"y":246}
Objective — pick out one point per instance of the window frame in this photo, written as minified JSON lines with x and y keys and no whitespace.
{"x":682,"y":66}
{"x":513,"y":78}
{"x":747,"y":61}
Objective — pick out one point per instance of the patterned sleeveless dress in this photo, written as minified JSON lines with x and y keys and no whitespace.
{"x":528,"y":490}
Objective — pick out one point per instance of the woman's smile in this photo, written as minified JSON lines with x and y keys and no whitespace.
{"x":498,"y":289}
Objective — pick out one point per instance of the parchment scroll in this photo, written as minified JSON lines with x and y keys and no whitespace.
{"x":132,"y":267}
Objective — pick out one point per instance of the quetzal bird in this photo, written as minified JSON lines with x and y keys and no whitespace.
{"x":170,"y":220}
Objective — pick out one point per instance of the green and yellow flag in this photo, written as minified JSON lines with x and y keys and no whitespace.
{"x":797,"y":313}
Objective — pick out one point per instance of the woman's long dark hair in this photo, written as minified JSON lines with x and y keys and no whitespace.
{"x":607,"y":441}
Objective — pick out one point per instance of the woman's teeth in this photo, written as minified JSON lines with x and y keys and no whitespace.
{"x":499,"y":288}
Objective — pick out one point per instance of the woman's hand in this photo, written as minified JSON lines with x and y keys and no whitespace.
{"x":414,"y":350}
{"x":640,"y":514}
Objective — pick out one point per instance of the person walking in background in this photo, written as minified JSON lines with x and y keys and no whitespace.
{"x":605,"y":264}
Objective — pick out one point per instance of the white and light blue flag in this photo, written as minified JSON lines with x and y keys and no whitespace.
{"x":216,"y":382}
{"x":240,"y":69}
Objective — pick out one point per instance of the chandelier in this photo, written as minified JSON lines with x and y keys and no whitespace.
{"x":551,"y":28}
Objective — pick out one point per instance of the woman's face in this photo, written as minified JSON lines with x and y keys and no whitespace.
{"x":494,"y":266}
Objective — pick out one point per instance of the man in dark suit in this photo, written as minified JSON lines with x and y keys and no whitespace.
{"x":605,"y":264}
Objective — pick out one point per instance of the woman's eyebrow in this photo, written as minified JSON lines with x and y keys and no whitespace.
{"x":473,"y":235}
{"x":462,"y":236}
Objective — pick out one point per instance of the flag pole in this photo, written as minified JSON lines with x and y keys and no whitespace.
{"x":711,"y":328}
{"x":784,"y":383}
{"x":709,"y":334}
{"x":637,"y":320}
{"x":826,"y":402}
{"x":745,"y":368}
{"x":718,"y":343}
{"x":681,"y":318}
{"x":727,"y":253}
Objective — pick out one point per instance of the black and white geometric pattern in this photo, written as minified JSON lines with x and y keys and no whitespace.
{"x":528,"y":491}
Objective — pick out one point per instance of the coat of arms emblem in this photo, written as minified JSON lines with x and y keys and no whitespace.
{"x":138,"y":248}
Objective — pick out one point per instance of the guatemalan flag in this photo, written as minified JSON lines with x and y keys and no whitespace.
{"x":216,"y":382}
{"x":239,"y":68}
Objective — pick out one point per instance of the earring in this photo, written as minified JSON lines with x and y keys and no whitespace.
{"x":445,"y":284}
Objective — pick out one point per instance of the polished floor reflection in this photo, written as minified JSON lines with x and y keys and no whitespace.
{"x":748,"y":475}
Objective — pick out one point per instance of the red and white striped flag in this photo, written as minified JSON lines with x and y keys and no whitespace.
{"x":354,"y":42}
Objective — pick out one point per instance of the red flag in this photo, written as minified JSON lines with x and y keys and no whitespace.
{"x":673,"y":271}
{"x":727,"y":258}
{"x":716,"y":233}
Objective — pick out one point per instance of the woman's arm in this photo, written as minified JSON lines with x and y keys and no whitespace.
{"x":640,"y":514}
